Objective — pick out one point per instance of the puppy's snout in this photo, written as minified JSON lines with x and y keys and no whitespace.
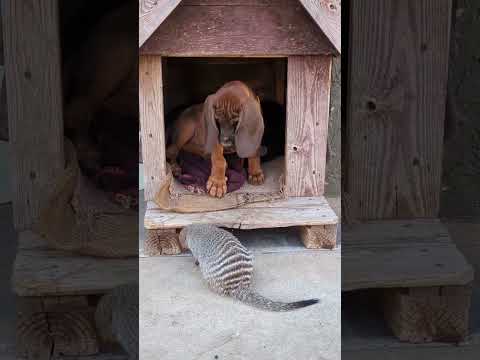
{"x":226,"y":140}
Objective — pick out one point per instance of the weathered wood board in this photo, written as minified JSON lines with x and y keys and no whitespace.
{"x":152,"y":123}
{"x":39,"y":271}
{"x":308,"y":104}
{"x":34,"y":91}
{"x":281,"y":28}
{"x":401,"y":253}
{"x":279,"y":213}
{"x":48,"y":327}
{"x":327,"y":14}
{"x":319,"y":237}
{"x":152,"y":13}
{"x":396,"y":107}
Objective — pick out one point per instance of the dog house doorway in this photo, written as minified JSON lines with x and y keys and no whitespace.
{"x":188,"y":81}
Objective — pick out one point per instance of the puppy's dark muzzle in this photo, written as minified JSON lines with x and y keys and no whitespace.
{"x":228,"y":145}
{"x":228,"y":148}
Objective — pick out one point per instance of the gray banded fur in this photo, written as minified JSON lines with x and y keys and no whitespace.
{"x":227,"y":266}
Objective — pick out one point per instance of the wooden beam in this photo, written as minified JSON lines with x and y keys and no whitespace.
{"x":51,"y":326}
{"x":319,"y":237}
{"x":34,"y":91}
{"x":152,"y":123}
{"x":161,"y":242}
{"x":151,"y":15}
{"x":39,"y":271}
{"x":401,"y":253}
{"x":327,"y":15}
{"x":396,"y":107}
{"x":278,"y":213}
{"x":238,"y":30}
{"x":421,"y":315}
{"x":308,"y":103}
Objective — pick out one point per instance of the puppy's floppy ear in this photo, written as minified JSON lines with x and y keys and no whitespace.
{"x":249,"y":133}
{"x":211,"y":129}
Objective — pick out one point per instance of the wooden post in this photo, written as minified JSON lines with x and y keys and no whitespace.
{"x":420,"y":315}
{"x":152,"y":123}
{"x":319,"y":237}
{"x":308,"y":102}
{"x":161,"y":242}
{"x":34,"y":93}
{"x":396,"y":107}
{"x":51,"y":326}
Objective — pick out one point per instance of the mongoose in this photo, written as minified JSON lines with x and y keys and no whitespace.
{"x":227,"y":266}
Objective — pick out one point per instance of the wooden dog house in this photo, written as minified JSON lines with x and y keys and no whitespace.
{"x":57,"y":290}
{"x":297,"y":40}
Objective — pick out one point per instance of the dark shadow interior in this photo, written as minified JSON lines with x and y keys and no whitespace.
{"x":105,"y":133}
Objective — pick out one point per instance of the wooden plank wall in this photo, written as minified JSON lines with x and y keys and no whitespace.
{"x":395,"y":113}
{"x":152,"y":123}
{"x":33,"y":84}
{"x":308,"y":102}
{"x":3,"y":97}
{"x":221,"y":28}
{"x":152,"y":13}
{"x":327,"y":14}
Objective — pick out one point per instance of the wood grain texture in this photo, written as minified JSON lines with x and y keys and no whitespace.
{"x":34,"y":91}
{"x":409,"y":253}
{"x":151,"y":14}
{"x":52,"y":326}
{"x":327,"y":15}
{"x":3,"y":97}
{"x":319,"y":237}
{"x":422,"y":315}
{"x":3,"y":105}
{"x":234,"y":2}
{"x":279,"y":213}
{"x":240,"y":30}
{"x":152,"y":123}
{"x":161,"y":242}
{"x":396,"y":109}
{"x":39,"y":271}
{"x":308,"y":102}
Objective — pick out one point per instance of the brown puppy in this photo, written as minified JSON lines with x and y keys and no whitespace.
{"x":229,"y":121}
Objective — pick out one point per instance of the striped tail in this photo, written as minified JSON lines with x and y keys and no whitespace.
{"x":249,"y":297}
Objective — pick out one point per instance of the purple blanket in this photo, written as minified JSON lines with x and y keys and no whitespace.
{"x":196,"y":170}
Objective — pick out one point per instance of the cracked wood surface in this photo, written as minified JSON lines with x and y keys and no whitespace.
{"x":282,"y":213}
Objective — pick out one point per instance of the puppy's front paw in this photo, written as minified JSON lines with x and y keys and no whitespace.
{"x":217,"y":186}
{"x":256,"y":179}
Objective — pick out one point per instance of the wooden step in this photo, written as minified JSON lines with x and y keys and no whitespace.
{"x":40,"y":271}
{"x":423,"y":279}
{"x":313,"y":216}
{"x":278,"y":213}
{"x":400,"y":253}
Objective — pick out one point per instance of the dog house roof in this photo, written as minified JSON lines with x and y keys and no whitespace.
{"x":325,"y":14}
